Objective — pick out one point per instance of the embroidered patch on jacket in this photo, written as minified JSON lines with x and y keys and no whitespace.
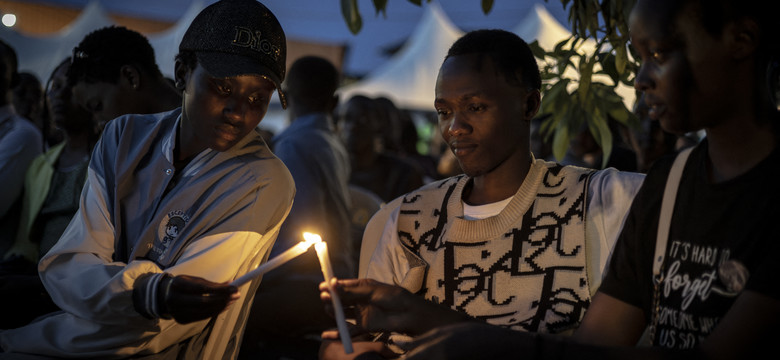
{"x":170,"y":227}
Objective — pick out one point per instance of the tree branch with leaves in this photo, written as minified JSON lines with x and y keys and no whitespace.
{"x":579,"y":79}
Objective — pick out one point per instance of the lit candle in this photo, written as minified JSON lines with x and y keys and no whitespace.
{"x":298,"y":249}
{"x":327,"y":272}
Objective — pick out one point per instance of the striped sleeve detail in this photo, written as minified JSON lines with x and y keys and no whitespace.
{"x":146,"y":295}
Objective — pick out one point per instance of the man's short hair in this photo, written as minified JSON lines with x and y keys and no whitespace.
{"x":103,"y":52}
{"x":9,"y":59}
{"x":313,"y":81}
{"x":509,"y":52}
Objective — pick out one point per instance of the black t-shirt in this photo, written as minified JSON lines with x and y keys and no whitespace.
{"x":723,"y":238}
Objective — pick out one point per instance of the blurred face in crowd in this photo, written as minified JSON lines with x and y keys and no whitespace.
{"x":65,"y":113}
{"x":107,"y":101}
{"x":6,"y":74}
{"x":685,"y":73}
{"x":28,"y":98}
{"x":483,"y":118}
{"x":357,"y":130}
{"x":219,"y":112}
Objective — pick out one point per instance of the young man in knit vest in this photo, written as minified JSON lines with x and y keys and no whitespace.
{"x":514,"y":241}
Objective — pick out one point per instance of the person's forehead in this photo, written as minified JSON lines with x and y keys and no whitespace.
{"x":92,"y":86}
{"x":470,"y":74}
{"x":202,"y":71}
{"x":84,"y":91}
{"x":657,"y":18}
{"x":468,"y":64}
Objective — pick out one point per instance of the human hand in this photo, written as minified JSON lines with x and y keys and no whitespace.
{"x":331,"y":348}
{"x":188,"y":298}
{"x":379,"y":306}
{"x":384,"y":307}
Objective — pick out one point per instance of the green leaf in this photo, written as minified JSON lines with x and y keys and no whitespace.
{"x":487,"y":5}
{"x":592,"y":18}
{"x":583,"y":20}
{"x":627,"y":5}
{"x":560,"y":141}
{"x":607,"y":14}
{"x":608,"y":67}
{"x":607,"y":93}
{"x":537,"y":50}
{"x":416,"y":2}
{"x":349,"y":9}
{"x":586,"y":76}
{"x":380,"y":6}
{"x":553,"y":95}
{"x":624,"y":116}
{"x":558,"y":49}
{"x":605,"y":140}
{"x":621,"y":59}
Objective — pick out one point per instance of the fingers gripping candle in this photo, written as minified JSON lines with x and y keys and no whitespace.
{"x":327,"y":272}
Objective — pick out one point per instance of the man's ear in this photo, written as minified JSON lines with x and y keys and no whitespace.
{"x":533,"y":99}
{"x":743,"y":37}
{"x":180,"y":73}
{"x":131,"y":75}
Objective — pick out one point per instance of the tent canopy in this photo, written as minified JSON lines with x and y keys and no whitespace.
{"x":409,"y":77}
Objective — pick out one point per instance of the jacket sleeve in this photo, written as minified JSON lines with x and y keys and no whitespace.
{"x":390,"y":261}
{"x":611,"y":194}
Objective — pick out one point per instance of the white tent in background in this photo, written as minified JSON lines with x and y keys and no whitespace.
{"x":409,"y":77}
{"x":166,"y":43}
{"x":39,"y":55}
{"x":541,"y":26}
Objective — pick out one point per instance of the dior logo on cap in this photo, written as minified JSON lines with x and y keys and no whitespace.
{"x":252,"y":39}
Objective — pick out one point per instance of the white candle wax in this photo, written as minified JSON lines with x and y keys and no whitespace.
{"x":327,"y":272}
{"x":269,"y":265}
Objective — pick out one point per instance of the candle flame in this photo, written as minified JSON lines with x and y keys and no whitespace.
{"x":311,"y":238}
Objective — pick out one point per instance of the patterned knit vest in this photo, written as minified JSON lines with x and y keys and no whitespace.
{"x":523,"y":269}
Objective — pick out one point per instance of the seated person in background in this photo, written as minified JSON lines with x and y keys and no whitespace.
{"x":52,"y":190}
{"x":517,"y":242}
{"x":385,"y":174}
{"x":389,"y":121}
{"x":28,"y":99}
{"x":114,"y":73}
{"x":409,"y":139}
{"x":20,"y":143}
{"x":695,"y":265}
{"x":176,"y":205}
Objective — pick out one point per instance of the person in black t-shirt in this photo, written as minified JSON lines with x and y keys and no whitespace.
{"x":705,"y":65}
